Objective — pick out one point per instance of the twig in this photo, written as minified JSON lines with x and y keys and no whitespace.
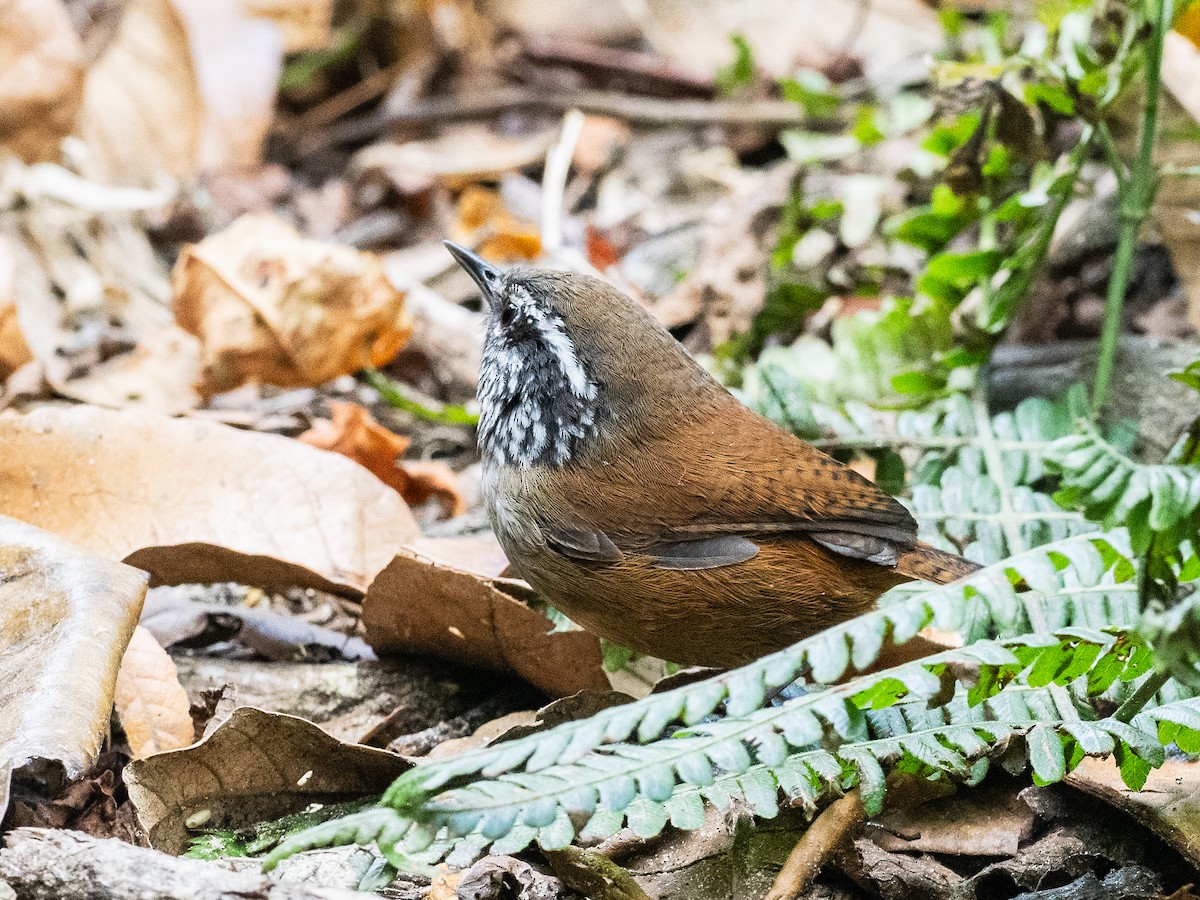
{"x":554,"y":180}
{"x":374,"y":85}
{"x":1136,"y":196}
{"x":821,"y":841}
{"x":643,"y":110}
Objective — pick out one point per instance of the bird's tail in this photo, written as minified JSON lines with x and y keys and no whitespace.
{"x":925,"y":563}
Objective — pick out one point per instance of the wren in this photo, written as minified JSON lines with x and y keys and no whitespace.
{"x":641,"y":498}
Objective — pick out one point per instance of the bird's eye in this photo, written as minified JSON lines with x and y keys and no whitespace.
{"x":507,"y":314}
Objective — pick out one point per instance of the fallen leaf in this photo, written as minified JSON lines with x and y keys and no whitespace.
{"x":459,"y":157}
{"x":418,"y":606}
{"x":41,"y":77}
{"x":142,"y":110}
{"x":485,"y":223}
{"x":151,"y":703}
{"x":352,"y":432}
{"x":66,"y":617}
{"x":1168,"y":804}
{"x":238,"y":59}
{"x":271,"y":307}
{"x":893,"y":38}
{"x":269,"y":634}
{"x":256,"y":766}
{"x":304,"y":23}
{"x":200,"y":502}
{"x":91,"y":297}
{"x":990,"y":820}
{"x":480,"y":554}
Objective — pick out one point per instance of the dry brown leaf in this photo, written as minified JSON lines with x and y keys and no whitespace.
{"x":271,"y":307}
{"x":142,"y":110}
{"x":192,"y":501}
{"x":66,"y":617}
{"x":458,"y":157}
{"x":418,"y":606}
{"x":1168,"y":804}
{"x":485,"y":223}
{"x":41,"y":77}
{"x":256,"y":766}
{"x":304,"y":23}
{"x":151,"y":703}
{"x":354,"y":433}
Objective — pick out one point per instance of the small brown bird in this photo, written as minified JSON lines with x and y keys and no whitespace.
{"x":642,"y":499}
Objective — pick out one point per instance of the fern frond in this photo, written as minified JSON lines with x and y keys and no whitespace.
{"x":985,"y":600}
{"x":1111,"y":488}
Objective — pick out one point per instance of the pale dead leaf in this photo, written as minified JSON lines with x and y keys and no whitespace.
{"x":304,"y":23}
{"x":271,"y":307}
{"x":65,"y":619}
{"x":41,"y":77}
{"x":1168,"y":804}
{"x":893,"y":38}
{"x":460,"y":156}
{"x":87,"y":284}
{"x":192,"y":501}
{"x":480,"y":554}
{"x":256,"y":766}
{"x":238,"y":59}
{"x":354,"y":433}
{"x":142,"y":109}
{"x":418,"y":606}
{"x":151,"y":703}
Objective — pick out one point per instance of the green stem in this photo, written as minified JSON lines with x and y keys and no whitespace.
{"x":1146,"y":692}
{"x":1136,"y":195}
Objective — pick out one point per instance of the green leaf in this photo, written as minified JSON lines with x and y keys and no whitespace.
{"x":1046,"y":755}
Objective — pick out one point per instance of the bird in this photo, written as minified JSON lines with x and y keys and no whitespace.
{"x":643,"y":500}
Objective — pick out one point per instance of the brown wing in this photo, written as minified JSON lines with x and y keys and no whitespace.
{"x":740,"y":475}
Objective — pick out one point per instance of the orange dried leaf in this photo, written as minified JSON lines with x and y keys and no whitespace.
{"x":484,"y":222}
{"x":271,"y":307}
{"x":354,"y":433}
{"x":151,"y":703}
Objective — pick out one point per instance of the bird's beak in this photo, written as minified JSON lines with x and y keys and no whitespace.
{"x":485,"y":274}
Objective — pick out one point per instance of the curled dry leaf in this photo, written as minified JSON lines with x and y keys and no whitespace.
{"x":256,"y":766}
{"x":142,"y":109}
{"x":90,"y":294}
{"x":151,"y":703}
{"x":41,"y":77}
{"x":193,"y":501}
{"x":354,"y":433}
{"x":271,"y":307}
{"x":66,"y":617}
{"x":418,"y":606}
{"x":1168,"y":804}
{"x":485,"y":223}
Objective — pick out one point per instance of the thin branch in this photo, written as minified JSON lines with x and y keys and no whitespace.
{"x":821,"y":841}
